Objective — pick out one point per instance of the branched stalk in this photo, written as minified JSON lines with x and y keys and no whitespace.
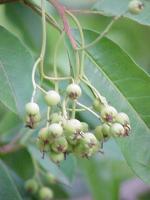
{"x":82,"y":41}
{"x":101,"y":35}
{"x":94,"y":90}
{"x":88,"y":109}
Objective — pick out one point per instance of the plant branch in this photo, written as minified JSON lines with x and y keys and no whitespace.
{"x":61,"y":10}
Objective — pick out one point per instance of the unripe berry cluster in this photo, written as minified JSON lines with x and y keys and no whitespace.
{"x":65,"y":134}
{"x":114,"y":123}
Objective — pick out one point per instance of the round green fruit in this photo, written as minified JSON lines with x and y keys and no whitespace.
{"x":98,"y":133}
{"x":106,"y":131}
{"x":31,"y":186}
{"x":45,"y":193}
{"x":90,"y":139}
{"x":52,"y":98}
{"x":55,"y":118}
{"x":108,"y":114}
{"x":32,"y":108}
{"x":44,"y":135}
{"x":122,"y":118}
{"x":55,"y":130}
{"x":72,"y":126}
{"x":117,"y":129}
{"x":135,"y":7}
{"x":51,"y":178}
{"x":98,"y":105}
{"x":73,"y":91}
{"x":60,"y":145}
{"x":57,"y":157}
{"x":85,"y":127}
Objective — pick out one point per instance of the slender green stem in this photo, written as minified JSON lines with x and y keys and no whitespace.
{"x":55,"y":58}
{"x":41,"y":89}
{"x":73,"y":114}
{"x":101,"y":35}
{"x":33,"y":78}
{"x":77,"y":109}
{"x":77,"y":66}
{"x":82,"y":41}
{"x":95,"y":91}
{"x":64,"y":105}
{"x":48,"y":115}
{"x":58,"y":78}
{"x":88,"y":109}
{"x":43,"y":48}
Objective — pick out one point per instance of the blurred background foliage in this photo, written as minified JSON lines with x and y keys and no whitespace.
{"x":102,"y":176}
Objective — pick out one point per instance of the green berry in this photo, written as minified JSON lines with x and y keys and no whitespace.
{"x":85,"y":127}
{"x":90,"y":139}
{"x":122,"y":118}
{"x":55,"y":130}
{"x":82,"y":150}
{"x":45,"y":193}
{"x":55,"y":118}
{"x":117,"y":129}
{"x":31,"y":186}
{"x":43,"y":145}
{"x":98,"y":133}
{"x":57,"y":157}
{"x":32,"y":108}
{"x":108,"y":114}
{"x":98,"y":105}
{"x":72,"y":126}
{"x":44,"y":135}
{"x":72,"y":130}
{"x":37,"y":118}
{"x":60,"y":145}
{"x":73,"y":91}
{"x":106,"y":131}
{"x":52,"y":98}
{"x":51,"y":178}
{"x":135,"y":6}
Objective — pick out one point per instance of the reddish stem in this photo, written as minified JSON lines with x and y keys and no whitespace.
{"x":61,"y":10}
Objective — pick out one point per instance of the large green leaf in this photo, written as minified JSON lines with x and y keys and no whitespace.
{"x":8,"y":190}
{"x":117,"y":7}
{"x":22,"y":169}
{"x":104,"y":177}
{"x":127,"y":87}
{"x":15,"y":72}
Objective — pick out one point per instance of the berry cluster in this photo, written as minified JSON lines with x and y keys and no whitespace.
{"x":65,"y":134}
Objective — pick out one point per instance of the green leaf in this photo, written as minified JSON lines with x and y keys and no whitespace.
{"x":18,"y":20}
{"x":15,"y":72}
{"x":127,"y":87}
{"x":23,"y":169}
{"x":104,"y":176}
{"x":8,"y":190}
{"x":117,"y":7}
